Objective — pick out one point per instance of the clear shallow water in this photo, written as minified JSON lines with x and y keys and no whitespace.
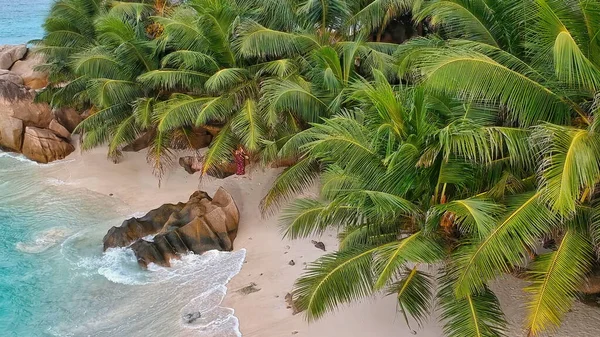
{"x":55,"y":280}
{"x":21,"y":20}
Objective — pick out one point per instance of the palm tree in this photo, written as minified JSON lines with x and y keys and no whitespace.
{"x":488,"y":155}
{"x":257,"y":71}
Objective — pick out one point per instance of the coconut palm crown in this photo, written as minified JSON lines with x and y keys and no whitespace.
{"x":484,"y":162}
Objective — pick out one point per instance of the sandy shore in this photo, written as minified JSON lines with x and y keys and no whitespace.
{"x":264,"y":313}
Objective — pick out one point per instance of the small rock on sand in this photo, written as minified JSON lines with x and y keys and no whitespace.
{"x":292,"y":263}
{"x":249,"y":289}
{"x":289,"y":300}
{"x":319,"y":245}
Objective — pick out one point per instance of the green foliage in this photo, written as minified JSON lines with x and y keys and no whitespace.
{"x":461,"y":150}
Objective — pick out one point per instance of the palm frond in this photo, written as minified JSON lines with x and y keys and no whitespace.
{"x":391,"y":258}
{"x":291,"y":182}
{"x":556,"y":278}
{"x":526,"y":220}
{"x":173,"y":79}
{"x":477,"y":315}
{"x":334,"y":279}
{"x":570,"y":165}
{"x":414,"y":292}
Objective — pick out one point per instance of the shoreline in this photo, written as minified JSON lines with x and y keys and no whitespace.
{"x":265,"y":312}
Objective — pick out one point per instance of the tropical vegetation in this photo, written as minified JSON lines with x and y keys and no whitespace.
{"x":444,"y":161}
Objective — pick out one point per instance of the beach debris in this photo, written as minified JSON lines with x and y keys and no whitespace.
{"x":287,"y":247}
{"x":192,"y":317}
{"x":294,"y":332}
{"x":320,"y":245}
{"x":249,"y":289}
{"x":289,"y":300}
{"x":292,"y":263}
{"x":191,"y":164}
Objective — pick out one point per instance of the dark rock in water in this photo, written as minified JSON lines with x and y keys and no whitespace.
{"x":191,"y":317}
{"x":319,"y":245}
{"x":28,"y":127}
{"x":43,"y":146}
{"x":200,"y":225}
{"x":136,"y":228}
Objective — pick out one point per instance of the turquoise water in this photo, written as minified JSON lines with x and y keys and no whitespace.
{"x":21,"y":20}
{"x":56,"y":281}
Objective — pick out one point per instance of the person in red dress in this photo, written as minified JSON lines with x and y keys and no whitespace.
{"x":240,"y":161}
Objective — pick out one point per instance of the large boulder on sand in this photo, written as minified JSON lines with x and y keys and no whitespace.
{"x":141,"y":142}
{"x":200,"y":225}
{"x":44,"y":146}
{"x":59,"y":130}
{"x":11,"y":54}
{"x":135,"y":228}
{"x":68,"y":117}
{"x":25,"y":68}
{"x":28,"y":127}
{"x":16,"y":101}
{"x":11,"y":133}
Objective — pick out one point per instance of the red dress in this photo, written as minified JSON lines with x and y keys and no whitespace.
{"x":240,"y":162}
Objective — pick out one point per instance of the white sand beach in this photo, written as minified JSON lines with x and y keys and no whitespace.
{"x":264,"y":313}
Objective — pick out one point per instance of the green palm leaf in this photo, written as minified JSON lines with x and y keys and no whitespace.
{"x":414,"y":292}
{"x":173,"y":79}
{"x":458,"y":72}
{"x":249,"y":127}
{"x":477,"y":315}
{"x":221,"y":149}
{"x":290,"y":183}
{"x":334,"y":279}
{"x":391,"y":258}
{"x":526,"y":220}
{"x":570,"y":166}
{"x":556,"y":279}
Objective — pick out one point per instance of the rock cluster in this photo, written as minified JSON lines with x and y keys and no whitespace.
{"x":30,"y":128}
{"x":18,"y":65}
{"x":200,"y":225}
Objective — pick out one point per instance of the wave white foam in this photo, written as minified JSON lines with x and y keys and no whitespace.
{"x":137,"y":215}
{"x":205,"y":314}
{"x":56,"y":182}
{"x":43,"y":241}
{"x":22,"y":158}
{"x":118,"y":265}
{"x":17,"y":156}
{"x":157,"y":301}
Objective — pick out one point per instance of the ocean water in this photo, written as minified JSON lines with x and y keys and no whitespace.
{"x":21,"y":20}
{"x":56,"y":281}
